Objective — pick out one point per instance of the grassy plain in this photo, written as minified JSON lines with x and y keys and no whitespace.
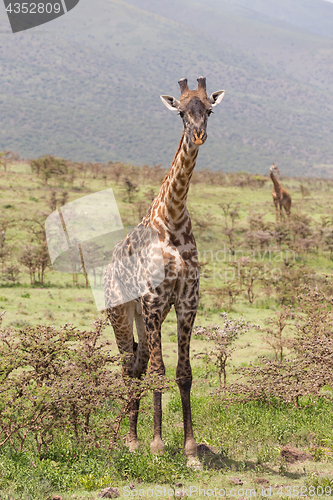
{"x":246,"y":438}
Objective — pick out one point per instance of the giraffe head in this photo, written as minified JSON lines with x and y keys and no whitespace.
{"x":194,"y":107}
{"x":273,"y":169}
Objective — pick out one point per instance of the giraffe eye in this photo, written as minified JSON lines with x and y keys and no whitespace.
{"x":210,"y":111}
{"x":181,"y":114}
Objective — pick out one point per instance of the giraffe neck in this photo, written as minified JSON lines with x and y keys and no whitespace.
{"x":170,"y":202}
{"x":277,"y":185}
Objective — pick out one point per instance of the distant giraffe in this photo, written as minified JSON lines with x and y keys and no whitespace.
{"x":281,"y":197}
{"x":169,"y":218}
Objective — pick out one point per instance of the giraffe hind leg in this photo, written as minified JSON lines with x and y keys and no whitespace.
{"x":153,"y":317}
{"x":142,"y":352}
{"x":276,"y":210}
{"x":186,"y":313}
{"x":122,"y":318}
{"x":184,"y":381}
{"x":287,"y":207}
{"x":281,"y":212}
{"x":140,"y":367}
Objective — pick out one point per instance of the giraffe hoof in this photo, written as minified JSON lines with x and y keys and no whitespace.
{"x":157,"y":446}
{"x":132,"y":444}
{"x":191,"y":449}
{"x":194,"y":463}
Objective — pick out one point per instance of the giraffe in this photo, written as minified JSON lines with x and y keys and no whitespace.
{"x":281,"y":197}
{"x":169,"y":218}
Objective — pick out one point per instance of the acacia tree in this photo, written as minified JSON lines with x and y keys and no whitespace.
{"x":230,"y":211}
{"x":130,"y":189}
{"x":4,"y":250}
{"x":141,"y":207}
{"x":204,"y":222}
{"x":223,"y":338}
{"x":95,"y":169}
{"x":36,"y":257}
{"x":12,"y":273}
{"x":61,"y":378}
{"x":5,"y":247}
{"x":309,"y":365}
{"x":28,"y":259}
{"x":52,"y":203}
{"x":274,"y":331}
{"x":63,"y":198}
{"x":6,"y":157}
{"x":117,"y":170}
{"x":48,"y":166}
{"x":248,"y":272}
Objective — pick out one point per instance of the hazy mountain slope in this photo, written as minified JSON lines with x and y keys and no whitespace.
{"x":315,"y":16}
{"x":303,"y":56}
{"x":87,"y":87}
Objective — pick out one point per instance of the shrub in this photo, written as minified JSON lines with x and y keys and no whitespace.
{"x":223,"y":338}
{"x":62,"y":379}
{"x":309,"y":367}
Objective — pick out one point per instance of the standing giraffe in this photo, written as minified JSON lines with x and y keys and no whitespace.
{"x":167,"y":217}
{"x":281,"y":197}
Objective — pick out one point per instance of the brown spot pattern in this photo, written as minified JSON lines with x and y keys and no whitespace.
{"x":169,"y":216}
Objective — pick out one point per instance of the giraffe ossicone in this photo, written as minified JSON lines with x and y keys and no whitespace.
{"x":169,"y":219}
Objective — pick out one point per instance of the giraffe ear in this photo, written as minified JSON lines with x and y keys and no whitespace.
{"x":170,"y":102}
{"x":216,"y":97}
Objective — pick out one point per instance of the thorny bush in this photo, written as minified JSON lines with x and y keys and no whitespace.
{"x":308,"y":368}
{"x":223,"y":338}
{"x":63,"y":379}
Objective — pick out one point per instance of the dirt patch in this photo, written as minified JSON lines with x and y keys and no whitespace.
{"x":109,"y":493}
{"x":236,"y":480}
{"x":261,"y":480}
{"x":291,"y":454}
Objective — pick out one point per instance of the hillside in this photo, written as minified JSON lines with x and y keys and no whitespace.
{"x":261,"y":33}
{"x":87,"y":87}
{"x":313,"y":16}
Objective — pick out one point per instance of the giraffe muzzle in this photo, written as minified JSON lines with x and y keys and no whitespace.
{"x":199,"y":137}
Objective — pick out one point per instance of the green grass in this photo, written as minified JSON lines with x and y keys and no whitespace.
{"x":247,"y":441}
{"x":247,"y":438}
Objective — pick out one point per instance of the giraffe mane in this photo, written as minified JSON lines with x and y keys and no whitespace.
{"x":175,"y":157}
{"x":179,"y":148}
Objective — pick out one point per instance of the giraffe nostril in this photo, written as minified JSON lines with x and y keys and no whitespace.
{"x":199,"y":136}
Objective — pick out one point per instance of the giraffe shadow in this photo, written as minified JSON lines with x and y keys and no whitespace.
{"x":210,"y":458}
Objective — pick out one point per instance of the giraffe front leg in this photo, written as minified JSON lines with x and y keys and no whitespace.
{"x":157,"y":445}
{"x":132,"y":441}
{"x":156,"y":367}
{"x":276,"y":211}
{"x":185,"y":322}
{"x":139,"y":368}
{"x":190,"y":445}
{"x":121,"y":318}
